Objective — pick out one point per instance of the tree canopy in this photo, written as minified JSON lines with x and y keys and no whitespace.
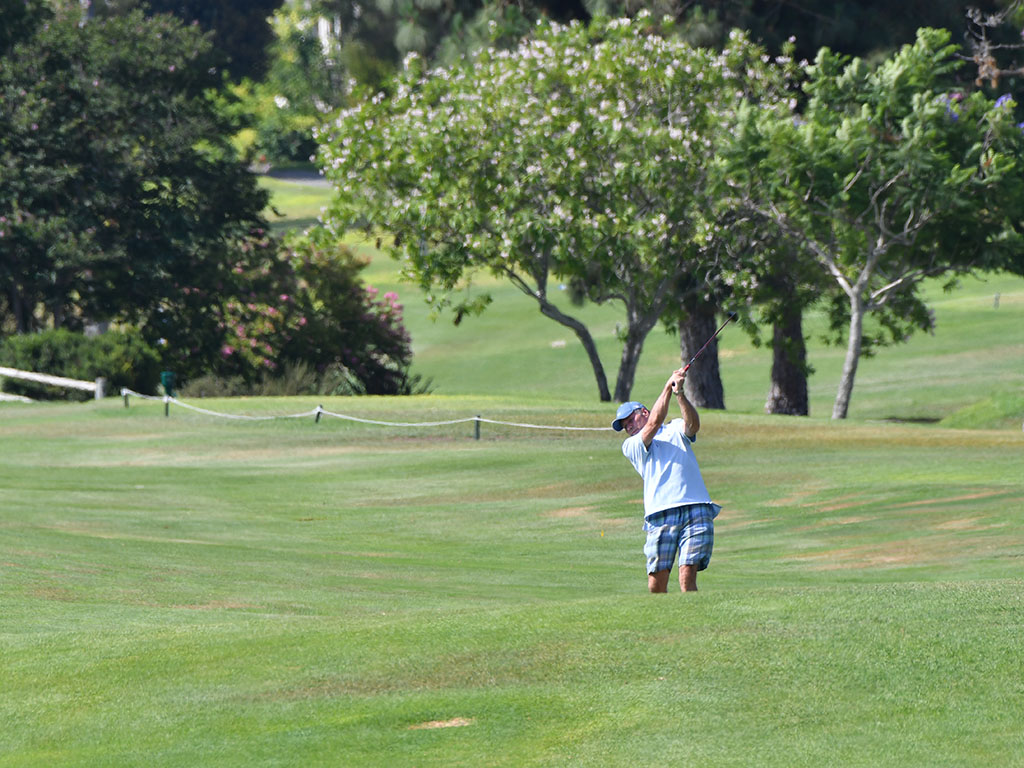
{"x":19,"y":20}
{"x":866,"y":28}
{"x":240,"y":29}
{"x":117,"y":183}
{"x":580,"y":159}
{"x":122,"y":199}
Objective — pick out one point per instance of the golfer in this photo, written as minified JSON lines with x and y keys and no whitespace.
{"x":678,"y":512}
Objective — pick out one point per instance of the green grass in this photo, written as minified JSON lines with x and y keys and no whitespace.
{"x":195,"y":591}
{"x":294,"y":205}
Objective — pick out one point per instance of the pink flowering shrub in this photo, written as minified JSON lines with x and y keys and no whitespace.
{"x":302,"y":301}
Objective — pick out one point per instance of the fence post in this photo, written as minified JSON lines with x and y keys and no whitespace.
{"x":101,"y":388}
{"x":125,"y":393}
{"x":167,"y":406}
{"x":319,"y":410}
{"x":476,"y":426}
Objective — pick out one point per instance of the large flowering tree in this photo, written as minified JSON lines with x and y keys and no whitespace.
{"x":581,"y":157}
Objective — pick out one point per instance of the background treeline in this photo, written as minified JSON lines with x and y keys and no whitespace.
{"x":128,"y":131}
{"x":676,"y":181}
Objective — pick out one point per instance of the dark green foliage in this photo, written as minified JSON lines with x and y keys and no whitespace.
{"x":117,"y":182}
{"x":856,"y":27}
{"x":239,"y":28}
{"x":293,"y":379}
{"x":375,"y":36}
{"x":281,"y":304}
{"x":121,"y":198}
{"x":307,"y":305}
{"x":19,"y":20}
{"x":121,"y":357}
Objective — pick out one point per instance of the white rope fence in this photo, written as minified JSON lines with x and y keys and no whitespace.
{"x":320,"y":411}
{"x":98,"y":387}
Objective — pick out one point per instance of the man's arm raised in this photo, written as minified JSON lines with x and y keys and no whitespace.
{"x":691,"y":419}
{"x":660,"y":408}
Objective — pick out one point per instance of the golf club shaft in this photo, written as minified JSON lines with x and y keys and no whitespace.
{"x":732,"y":315}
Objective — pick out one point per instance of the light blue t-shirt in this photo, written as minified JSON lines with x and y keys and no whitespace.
{"x":669,"y":469}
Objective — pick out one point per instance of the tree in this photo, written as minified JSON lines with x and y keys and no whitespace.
{"x":19,"y":20}
{"x":733,"y":268}
{"x":118,"y":186}
{"x":300,"y":88}
{"x":776,"y":281}
{"x":436,"y":30}
{"x":995,"y":43}
{"x":121,"y":199}
{"x":866,"y":28}
{"x":581,"y":158}
{"x":240,"y":29}
{"x":887,"y":179}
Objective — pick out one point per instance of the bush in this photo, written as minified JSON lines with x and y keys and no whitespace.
{"x":293,"y":379}
{"x":280,"y":303}
{"x":211,"y":385}
{"x":305,"y":303}
{"x":121,"y":357}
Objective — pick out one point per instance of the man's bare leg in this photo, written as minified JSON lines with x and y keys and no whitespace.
{"x":688,"y":578}
{"x":658,"y":581}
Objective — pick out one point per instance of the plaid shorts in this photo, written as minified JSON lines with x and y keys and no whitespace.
{"x":688,"y":530}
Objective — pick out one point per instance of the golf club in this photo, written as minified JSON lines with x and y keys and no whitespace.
{"x":732,"y":316}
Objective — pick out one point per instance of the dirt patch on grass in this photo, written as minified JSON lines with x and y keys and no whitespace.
{"x":804,"y":499}
{"x":795,"y":499}
{"x":84,"y":529}
{"x":455,"y":722}
{"x":588,"y":516}
{"x":58,"y":594}
{"x":934,"y":550}
{"x":966,"y":524}
{"x":569,"y":512}
{"x":840,"y":506}
{"x":740,"y":518}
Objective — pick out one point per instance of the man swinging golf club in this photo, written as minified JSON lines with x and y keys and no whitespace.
{"x":678,"y":512}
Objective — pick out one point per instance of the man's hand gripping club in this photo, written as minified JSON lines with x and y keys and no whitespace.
{"x":659,"y":411}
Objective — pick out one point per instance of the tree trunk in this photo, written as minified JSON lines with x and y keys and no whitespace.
{"x":703,"y":385}
{"x":640,"y":324}
{"x":853,"y":347}
{"x":788,"y":391}
{"x":551,"y":311}
{"x":631,"y":350}
{"x":19,"y":309}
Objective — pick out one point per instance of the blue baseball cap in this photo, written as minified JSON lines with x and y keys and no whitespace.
{"x":624,"y":411}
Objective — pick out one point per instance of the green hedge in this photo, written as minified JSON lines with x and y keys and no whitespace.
{"x":121,"y":357}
